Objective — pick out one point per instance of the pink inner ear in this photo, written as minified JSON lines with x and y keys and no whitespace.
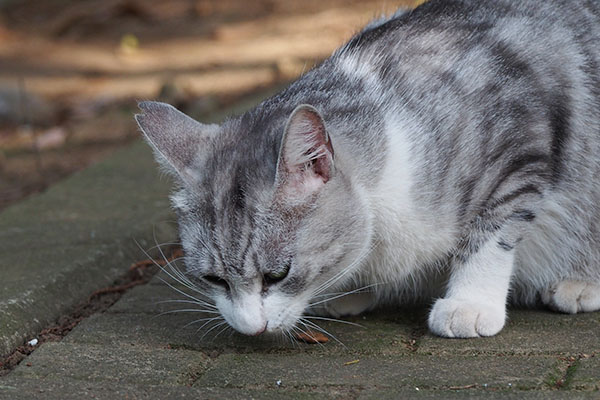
{"x":303,"y":180}
{"x":307,"y":153}
{"x":321,"y":166}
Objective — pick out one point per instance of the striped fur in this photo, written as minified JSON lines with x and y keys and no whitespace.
{"x":463,"y":163}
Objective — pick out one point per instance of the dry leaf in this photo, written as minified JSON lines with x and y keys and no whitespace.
{"x":312,"y":337}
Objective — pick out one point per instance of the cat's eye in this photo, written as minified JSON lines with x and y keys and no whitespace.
{"x":215,"y":280}
{"x":278,"y":275}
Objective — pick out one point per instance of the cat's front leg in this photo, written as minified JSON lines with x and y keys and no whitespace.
{"x":475,"y":302}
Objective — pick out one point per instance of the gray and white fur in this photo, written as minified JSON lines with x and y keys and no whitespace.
{"x":450,"y":152}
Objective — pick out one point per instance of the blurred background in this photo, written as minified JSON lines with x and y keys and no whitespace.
{"x":71,"y":71}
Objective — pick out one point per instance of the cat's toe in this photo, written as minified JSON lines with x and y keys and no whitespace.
{"x":572,"y":297}
{"x":589,"y":300}
{"x":465,"y":319}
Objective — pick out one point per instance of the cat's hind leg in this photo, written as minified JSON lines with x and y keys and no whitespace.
{"x":352,"y":304}
{"x":571,"y":296}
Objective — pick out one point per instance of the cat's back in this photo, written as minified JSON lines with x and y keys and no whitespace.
{"x":473,"y":19}
{"x":450,"y":34}
{"x":461,"y":78}
{"x":455,"y":70}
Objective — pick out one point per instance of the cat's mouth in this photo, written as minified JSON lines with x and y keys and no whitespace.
{"x":298,"y":332}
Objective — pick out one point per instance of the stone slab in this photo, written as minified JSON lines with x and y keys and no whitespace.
{"x":416,"y":371}
{"x":527,"y":332}
{"x":78,"y":236}
{"x":69,"y":389}
{"x":128,"y":364}
{"x":488,"y":394}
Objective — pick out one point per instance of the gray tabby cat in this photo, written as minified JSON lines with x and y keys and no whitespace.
{"x":449,"y":152}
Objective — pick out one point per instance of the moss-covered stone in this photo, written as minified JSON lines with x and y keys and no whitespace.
{"x":133,"y":364}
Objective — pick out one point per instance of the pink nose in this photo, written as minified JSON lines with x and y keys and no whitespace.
{"x":264,"y":328}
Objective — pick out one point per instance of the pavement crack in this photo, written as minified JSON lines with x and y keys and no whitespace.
{"x":99,"y":301}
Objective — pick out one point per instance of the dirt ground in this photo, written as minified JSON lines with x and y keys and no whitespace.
{"x":72,"y":70}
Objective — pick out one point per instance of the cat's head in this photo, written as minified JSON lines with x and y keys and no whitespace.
{"x":269,"y":217}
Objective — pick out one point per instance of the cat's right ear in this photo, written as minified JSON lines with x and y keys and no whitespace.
{"x":305,"y":162}
{"x":177,"y":139}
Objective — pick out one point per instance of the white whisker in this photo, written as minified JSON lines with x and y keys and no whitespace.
{"x":221,"y":331}
{"x":306,"y":322}
{"x":289,"y":335}
{"x":308,"y":332}
{"x":170,"y":264}
{"x":157,"y":245}
{"x":334,"y":320}
{"x":167,"y":272}
{"x":207,"y":322}
{"x":187,"y":295}
{"x":176,"y":280}
{"x":200,"y":320}
{"x":331,"y":281}
{"x":345,"y":294}
{"x":200,"y":303}
{"x":301,"y":331}
{"x":187,"y":310}
{"x":211,"y":329}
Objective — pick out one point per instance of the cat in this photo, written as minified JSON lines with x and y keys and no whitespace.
{"x":448,"y":153}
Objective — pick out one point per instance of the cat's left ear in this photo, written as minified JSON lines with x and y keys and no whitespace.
{"x":306,"y":155}
{"x":178,"y":140}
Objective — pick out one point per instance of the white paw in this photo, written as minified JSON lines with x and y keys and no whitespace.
{"x":352,"y":304}
{"x":465,"y":319}
{"x":572,"y":297}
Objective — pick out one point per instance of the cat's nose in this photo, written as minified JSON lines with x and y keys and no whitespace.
{"x":259,"y":332}
{"x":246,"y":315}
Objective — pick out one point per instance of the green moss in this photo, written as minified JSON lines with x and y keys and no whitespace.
{"x":568,"y":378}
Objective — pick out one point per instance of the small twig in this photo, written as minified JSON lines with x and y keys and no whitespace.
{"x":463,"y":387}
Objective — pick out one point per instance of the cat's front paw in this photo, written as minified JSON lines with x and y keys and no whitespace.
{"x":572,"y":297}
{"x":465,"y":319}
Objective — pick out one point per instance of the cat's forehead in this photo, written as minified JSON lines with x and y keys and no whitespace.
{"x":230,"y":205}
{"x":244,"y":152}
